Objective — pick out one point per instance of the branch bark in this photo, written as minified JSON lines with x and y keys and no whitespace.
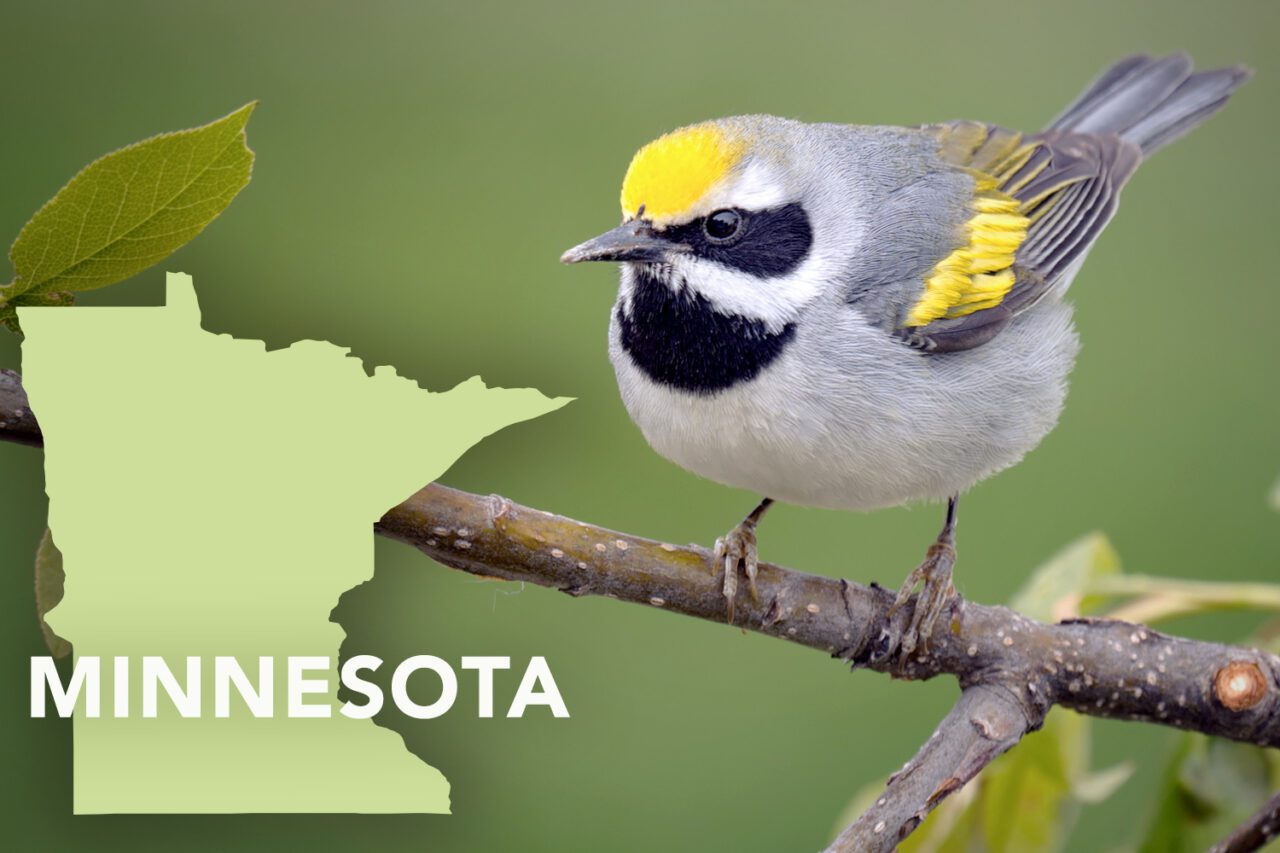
{"x":1011,"y":669}
{"x":17,"y":423}
{"x":1099,"y":667}
{"x":986,"y":722}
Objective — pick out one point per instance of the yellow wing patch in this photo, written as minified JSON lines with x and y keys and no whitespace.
{"x":979,"y":273}
{"x":669,"y":175}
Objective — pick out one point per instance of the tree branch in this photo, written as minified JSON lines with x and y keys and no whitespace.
{"x":1011,"y":669}
{"x":986,"y":722}
{"x":1099,"y":667}
{"x":17,"y":423}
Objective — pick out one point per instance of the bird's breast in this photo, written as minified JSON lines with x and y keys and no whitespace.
{"x":847,"y":417}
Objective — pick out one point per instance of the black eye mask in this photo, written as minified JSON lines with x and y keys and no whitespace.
{"x":767,"y":244}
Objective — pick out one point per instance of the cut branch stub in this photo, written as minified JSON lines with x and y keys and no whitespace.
{"x":1239,"y":685}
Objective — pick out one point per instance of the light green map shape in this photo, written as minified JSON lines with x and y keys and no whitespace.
{"x":213,"y":498}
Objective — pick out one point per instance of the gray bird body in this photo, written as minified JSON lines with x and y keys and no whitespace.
{"x":808,"y":381}
{"x":849,"y":418}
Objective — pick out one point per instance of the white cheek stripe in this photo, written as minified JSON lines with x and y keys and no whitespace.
{"x":776,"y":301}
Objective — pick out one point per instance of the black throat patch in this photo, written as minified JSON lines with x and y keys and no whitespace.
{"x":678,"y":339}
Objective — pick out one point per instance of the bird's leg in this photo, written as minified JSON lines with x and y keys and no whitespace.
{"x":936,"y":592}
{"x":738,"y":548}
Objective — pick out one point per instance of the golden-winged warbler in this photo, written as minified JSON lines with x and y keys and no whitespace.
{"x":858,"y":317}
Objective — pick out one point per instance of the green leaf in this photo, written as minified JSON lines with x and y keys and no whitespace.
{"x":130,"y":210}
{"x":49,"y":581}
{"x":1210,"y":787}
{"x":1057,"y":590}
{"x":9,"y":312}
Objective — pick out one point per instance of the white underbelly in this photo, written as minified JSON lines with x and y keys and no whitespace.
{"x":865,"y":423}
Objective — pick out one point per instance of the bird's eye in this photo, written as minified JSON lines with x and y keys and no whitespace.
{"x":722,"y":225}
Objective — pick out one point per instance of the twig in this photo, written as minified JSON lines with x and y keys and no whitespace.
{"x":1258,"y":830}
{"x":1011,"y":669}
{"x":1155,"y":599}
{"x":985,"y":722}
{"x":17,"y":423}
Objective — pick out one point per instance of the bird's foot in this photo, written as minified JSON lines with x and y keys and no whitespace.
{"x":936,"y":596}
{"x":936,"y":592}
{"x":737,"y":549}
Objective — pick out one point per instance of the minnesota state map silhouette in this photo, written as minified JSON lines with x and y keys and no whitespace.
{"x":212,"y":498}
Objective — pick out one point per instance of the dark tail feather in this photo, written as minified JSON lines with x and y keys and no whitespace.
{"x":1150,"y":102}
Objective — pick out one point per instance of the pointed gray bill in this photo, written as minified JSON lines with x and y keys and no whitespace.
{"x":630,"y":241}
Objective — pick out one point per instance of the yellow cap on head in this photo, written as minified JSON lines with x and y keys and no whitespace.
{"x":671,"y":174}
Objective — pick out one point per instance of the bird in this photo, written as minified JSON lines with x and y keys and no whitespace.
{"x":858,"y":317}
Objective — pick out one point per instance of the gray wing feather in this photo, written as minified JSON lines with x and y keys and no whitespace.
{"x":1150,"y":102}
{"x":1082,"y":208}
{"x":1070,"y":184}
{"x":1095,"y":90}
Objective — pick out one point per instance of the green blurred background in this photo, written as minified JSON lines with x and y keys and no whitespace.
{"x":420,"y":168}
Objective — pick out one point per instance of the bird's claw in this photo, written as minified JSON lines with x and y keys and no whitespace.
{"x":936,"y":592}
{"x":735,"y":549}
{"x":936,"y":595}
